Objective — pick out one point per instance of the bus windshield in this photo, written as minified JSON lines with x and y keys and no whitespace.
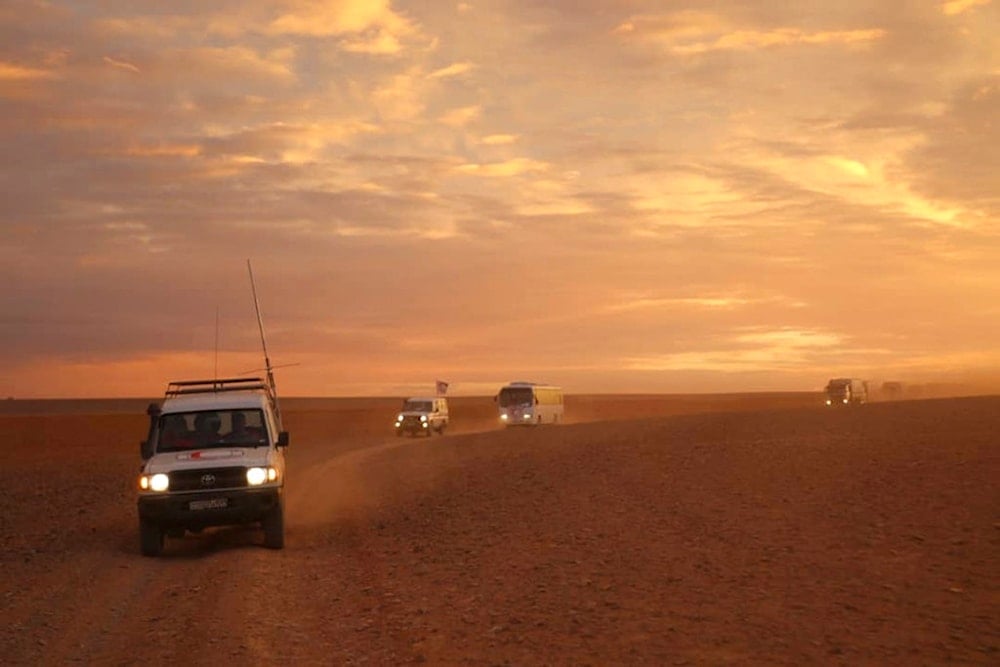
{"x":511,"y":396}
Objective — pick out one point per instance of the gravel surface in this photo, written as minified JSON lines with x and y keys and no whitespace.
{"x":726,"y":530}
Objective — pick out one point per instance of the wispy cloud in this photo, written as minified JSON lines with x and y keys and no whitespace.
{"x":953,"y":7}
{"x":454,"y":69}
{"x":462,"y":116}
{"x":121,"y":64}
{"x":499,"y":139}
{"x":752,"y":351}
{"x":692,"y":33}
{"x":14,"y":72}
{"x":512,"y":167}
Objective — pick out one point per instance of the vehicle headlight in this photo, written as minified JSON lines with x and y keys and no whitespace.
{"x":828,"y":401}
{"x":526,"y":416}
{"x":503,"y":416}
{"x":399,"y":418}
{"x":258,"y":476}
{"x":157,"y":482}
{"x":423,"y":418}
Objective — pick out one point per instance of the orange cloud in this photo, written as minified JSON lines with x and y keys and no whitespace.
{"x":499,"y":139}
{"x":368,"y":26}
{"x":121,"y":64}
{"x":691,"y":33}
{"x":12,"y":72}
{"x":461,"y":116}
{"x":451,"y":70}
{"x":954,"y":7}
{"x":512,"y":167}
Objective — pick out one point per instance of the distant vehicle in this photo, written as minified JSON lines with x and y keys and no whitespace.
{"x":892,"y":390}
{"x":214,"y":456}
{"x":529,"y":403}
{"x":422,"y":415}
{"x":846,"y":391}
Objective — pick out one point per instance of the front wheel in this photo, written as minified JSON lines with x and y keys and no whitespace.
{"x":273,"y":524}
{"x":150,"y":538}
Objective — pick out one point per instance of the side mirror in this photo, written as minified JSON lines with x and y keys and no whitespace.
{"x":536,"y":400}
{"x":494,"y":399}
{"x":283,"y":439}
{"x":145,"y":450}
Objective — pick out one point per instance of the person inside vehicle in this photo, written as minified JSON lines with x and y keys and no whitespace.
{"x":206,"y":426}
{"x":240,"y":432}
{"x":175,"y":433}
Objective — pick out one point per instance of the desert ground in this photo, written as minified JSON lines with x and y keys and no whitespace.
{"x":660,"y":530}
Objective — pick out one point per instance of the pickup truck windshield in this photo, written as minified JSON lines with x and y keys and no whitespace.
{"x":211,"y":428}
{"x":417,"y":406}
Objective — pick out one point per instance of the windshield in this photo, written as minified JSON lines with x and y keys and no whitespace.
{"x":510,"y":396}
{"x":417,"y":406}
{"x":212,"y":428}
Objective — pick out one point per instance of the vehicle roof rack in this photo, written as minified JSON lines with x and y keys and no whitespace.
{"x":185,"y":387}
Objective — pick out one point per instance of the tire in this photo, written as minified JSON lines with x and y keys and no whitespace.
{"x":273,"y":524}
{"x":150,"y":538}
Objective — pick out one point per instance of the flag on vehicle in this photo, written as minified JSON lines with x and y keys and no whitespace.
{"x":442,"y":387}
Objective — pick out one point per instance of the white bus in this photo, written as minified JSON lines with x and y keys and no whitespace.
{"x":528,"y":403}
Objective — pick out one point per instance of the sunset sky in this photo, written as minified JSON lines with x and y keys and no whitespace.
{"x":611,"y":195}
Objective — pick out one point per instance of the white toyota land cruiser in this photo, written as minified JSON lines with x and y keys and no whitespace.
{"x":214,"y":456}
{"x":422,"y":415}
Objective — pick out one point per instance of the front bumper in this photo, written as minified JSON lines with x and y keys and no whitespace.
{"x":217,"y":508}
{"x":412,"y":426}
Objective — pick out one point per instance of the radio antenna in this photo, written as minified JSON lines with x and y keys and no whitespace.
{"x":263,"y":342}
{"x":216,"y":342}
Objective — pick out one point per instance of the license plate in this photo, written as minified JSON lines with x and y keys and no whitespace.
{"x":212,"y":504}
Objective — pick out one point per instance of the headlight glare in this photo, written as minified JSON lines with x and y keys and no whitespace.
{"x":159,"y":482}
{"x":256,"y":476}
